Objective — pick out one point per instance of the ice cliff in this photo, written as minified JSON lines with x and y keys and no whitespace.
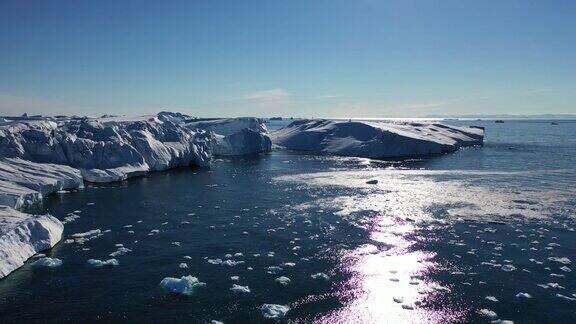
{"x":375,"y":139}
{"x":41,"y":155}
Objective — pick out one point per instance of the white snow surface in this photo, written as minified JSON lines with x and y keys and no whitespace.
{"x":23,"y":235}
{"x":373,"y":139}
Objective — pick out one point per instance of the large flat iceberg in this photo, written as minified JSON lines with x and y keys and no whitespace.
{"x":23,"y":235}
{"x":375,"y":139}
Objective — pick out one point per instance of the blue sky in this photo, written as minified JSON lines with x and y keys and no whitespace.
{"x":333,"y":58}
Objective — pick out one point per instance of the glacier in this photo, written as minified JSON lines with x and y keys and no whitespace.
{"x":370,"y":139}
{"x":40,"y":155}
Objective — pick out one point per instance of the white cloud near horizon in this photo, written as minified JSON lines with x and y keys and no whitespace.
{"x":267,"y":96}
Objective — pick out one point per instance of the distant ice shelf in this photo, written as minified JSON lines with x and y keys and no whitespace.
{"x":375,"y":139}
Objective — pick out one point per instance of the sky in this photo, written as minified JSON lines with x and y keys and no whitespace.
{"x":301,"y":58}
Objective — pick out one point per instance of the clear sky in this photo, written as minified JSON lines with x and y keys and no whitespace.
{"x":309,"y":58}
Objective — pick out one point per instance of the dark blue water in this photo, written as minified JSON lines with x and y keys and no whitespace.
{"x":428,"y":243}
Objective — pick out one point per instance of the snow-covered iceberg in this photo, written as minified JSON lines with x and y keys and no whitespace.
{"x":23,"y":235}
{"x":375,"y":139}
{"x":23,"y":183}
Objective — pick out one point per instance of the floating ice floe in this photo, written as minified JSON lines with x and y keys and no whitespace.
{"x":81,"y":238}
{"x":508,"y":267}
{"x":284,"y":281}
{"x":523,"y":295}
{"x":273,"y":269}
{"x":562,"y":260}
{"x":488,"y":313}
{"x":186,"y":285}
{"x":240,"y":289}
{"x":183,"y":265}
{"x":491,"y":298}
{"x":320,"y":275}
{"x":121,"y":251}
{"x":47,"y":263}
{"x":274,"y":311}
{"x":99,"y":263}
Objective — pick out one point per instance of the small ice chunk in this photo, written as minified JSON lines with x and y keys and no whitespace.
{"x":563,"y":260}
{"x":240,"y":289}
{"x":274,"y":269}
{"x":274,"y":311}
{"x":320,"y":275}
{"x":235,"y":278}
{"x":186,"y":285}
{"x":492,"y":299}
{"x":283,"y":280}
{"x":47,"y":263}
{"x":183,"y":265}
{"x":488,"y":313}
{"x":99,"y":263}
{"x":523,"y":295}
{"x":398,"y":299}
{"x":121,"y":251}
{"x":231,"y":263}
{"x":508,"y":267}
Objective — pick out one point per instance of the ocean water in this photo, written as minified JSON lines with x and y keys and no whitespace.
{"x":482,"y":234}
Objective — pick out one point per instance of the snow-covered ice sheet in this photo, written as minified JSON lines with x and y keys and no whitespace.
{"x":23,"y":235}
{"x":375,"y":139}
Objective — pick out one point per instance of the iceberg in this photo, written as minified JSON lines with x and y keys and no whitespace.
{"x":236,"y":136}
{"x":375,"y":139}
{"x":23,"y":235}
{"x":41,"y":155}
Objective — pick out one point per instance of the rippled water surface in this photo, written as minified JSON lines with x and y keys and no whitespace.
{"x":482,"y":234}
